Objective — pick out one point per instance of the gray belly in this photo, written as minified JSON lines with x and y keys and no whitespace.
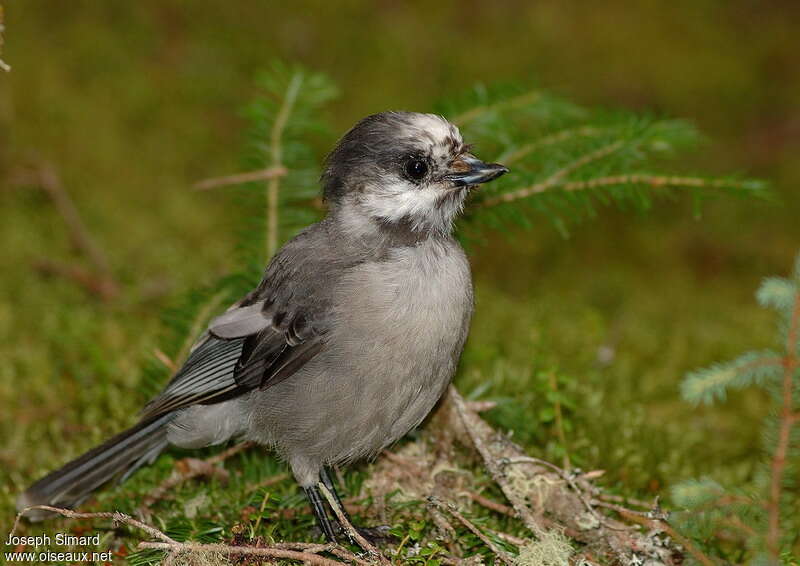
{"x":389,"y":357}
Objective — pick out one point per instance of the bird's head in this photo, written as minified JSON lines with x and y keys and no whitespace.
{"x":403,"y":169}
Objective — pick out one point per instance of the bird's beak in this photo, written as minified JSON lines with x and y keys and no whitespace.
{"x":469,"y":170}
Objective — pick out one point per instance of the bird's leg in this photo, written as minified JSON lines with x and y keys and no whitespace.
{"x":320,"y":512}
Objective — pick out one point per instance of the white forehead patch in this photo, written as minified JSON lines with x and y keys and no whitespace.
{"x":436,"y":128}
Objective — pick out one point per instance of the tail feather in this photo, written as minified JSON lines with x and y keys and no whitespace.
{"x":119,"y":456}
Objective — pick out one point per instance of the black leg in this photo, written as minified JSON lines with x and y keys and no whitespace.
{"x":375,"y":535}
{"x":321,"y":514}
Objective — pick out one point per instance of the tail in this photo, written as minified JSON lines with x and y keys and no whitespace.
{"x":121,"y":455}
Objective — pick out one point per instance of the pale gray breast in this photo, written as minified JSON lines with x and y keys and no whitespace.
{"x":414,"y":301}
{"x":403,"y":328}
{"x":397,"y":327}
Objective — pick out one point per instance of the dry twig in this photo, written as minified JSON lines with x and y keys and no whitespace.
{"x":308,"y":553}
{"x":560,"y":501}
{"x":499,"y":552}
{"x":240,"y":178}
{"x":276,"y":152}
{"x":100,"y":283}
{"x":352,"y":532}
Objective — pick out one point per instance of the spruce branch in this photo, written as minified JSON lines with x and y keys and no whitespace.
{"x":649,"y":181}
{"x":511,"y":157}
{"x":518,"y":101}
{"x":788,"y":417}
{"x":276,"y":151}
{"x":777,"y":373}
{"x":712,"y":383}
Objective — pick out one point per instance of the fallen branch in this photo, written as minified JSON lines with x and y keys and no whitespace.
{"x":101,"y":287}
{"x":309,"y":554}
{"x":115,"y":516}
{"x":266,"y":551}
{"x":659,"y":523}
{"x":101,"y":283}
{"x":351,"y":531}
{"x":546,"y":498}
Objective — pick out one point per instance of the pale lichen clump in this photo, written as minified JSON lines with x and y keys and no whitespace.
{"x":552,"y":550}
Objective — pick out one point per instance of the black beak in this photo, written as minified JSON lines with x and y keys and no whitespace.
{"x":469,"y":170}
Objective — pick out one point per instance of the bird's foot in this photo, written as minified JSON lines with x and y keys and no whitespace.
{"x":377,"y":536}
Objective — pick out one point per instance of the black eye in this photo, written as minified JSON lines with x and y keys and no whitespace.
{"x":416,"y":168}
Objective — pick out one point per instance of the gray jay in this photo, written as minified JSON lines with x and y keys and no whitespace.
{"x":349,"y":340}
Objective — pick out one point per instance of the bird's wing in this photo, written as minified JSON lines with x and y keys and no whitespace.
{"x":263,"y":339}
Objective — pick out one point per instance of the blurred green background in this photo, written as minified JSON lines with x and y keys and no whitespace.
{"x":133,"y":102}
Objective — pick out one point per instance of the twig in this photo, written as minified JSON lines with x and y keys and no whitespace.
{"x":101,"y":287}
{"x":516,"y":541}
{"x":552,"y":139}
{"x":341,"y":552}
{"x":499,"y":552}
{"x":103,"y":283}
{"x":659,"y":523}
{"x":239,"y":178}
{"x":481,"y":406}
{"x":566,"y":476}
{"x":174,"y":547}
{"x":165,"y":359}
{"x":787,"y":419}
{"x":620,"y":499}
{"x":653,"y":181}
{"x":559,"y":504}
{"x":493,"y":467}
{"x":79,"y":234}
{"x":505,"y":104}
{"x":115,"y":516}
{"x":596,"y":155}
{"x":352,"y":532}
{"x":276,"y":152}
{"x":489,"y":504}
{"x":268,"y":551}
{"x":268,"y":482}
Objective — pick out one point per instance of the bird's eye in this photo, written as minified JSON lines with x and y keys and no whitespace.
{"x":416,"y":168}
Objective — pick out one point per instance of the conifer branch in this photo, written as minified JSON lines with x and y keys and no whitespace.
{"x":276,"y":153}
{"x":505,"y":104}
{"x":652,"y":181}
{"x":512,"y":157}
{"x":787,"y":419}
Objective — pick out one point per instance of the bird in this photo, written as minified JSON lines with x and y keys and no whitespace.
{"x":349,"y":340}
